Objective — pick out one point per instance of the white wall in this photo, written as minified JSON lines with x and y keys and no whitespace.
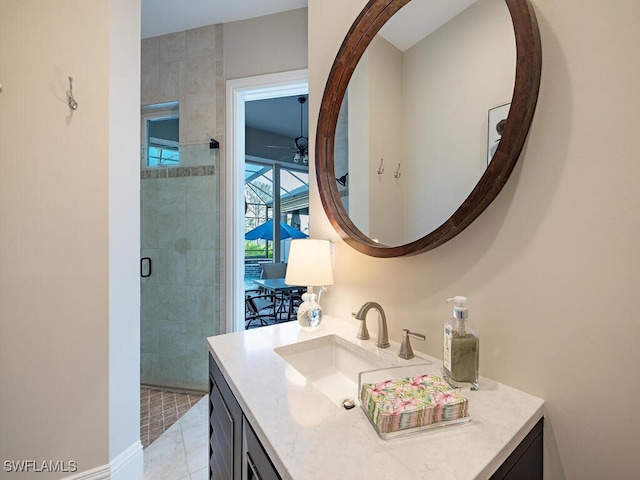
{"x":62,"y":230}
{"x":125,"y":449}
{"x":552,"y":266}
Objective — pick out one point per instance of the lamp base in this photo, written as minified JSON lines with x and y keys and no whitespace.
{"x":309,"y":311}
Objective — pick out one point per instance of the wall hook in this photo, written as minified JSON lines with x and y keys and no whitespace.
{"x":397,"y":175}
{"x":73,"y":105}
{"x":380,"y":169}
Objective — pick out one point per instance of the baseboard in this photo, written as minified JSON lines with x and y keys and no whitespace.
{"x":99,"y":473}
{"x":129,"y":464}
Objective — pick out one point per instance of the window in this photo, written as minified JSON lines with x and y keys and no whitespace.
{"x":161,"y":135}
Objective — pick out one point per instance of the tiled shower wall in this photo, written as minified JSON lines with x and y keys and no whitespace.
{"x":180,"y":211}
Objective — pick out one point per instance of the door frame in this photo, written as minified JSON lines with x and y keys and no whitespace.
{"x":238,"y":91}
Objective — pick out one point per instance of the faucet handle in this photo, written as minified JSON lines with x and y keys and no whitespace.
{"x":363,"y":333}
{"x":406,"y":351}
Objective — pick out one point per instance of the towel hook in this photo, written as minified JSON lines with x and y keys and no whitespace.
{"x":398,"y":174}
{"x":381,"y":169}
{"x":73,"y":105}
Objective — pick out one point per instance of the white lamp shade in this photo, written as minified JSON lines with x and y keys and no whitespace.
{"x":309,"y":263}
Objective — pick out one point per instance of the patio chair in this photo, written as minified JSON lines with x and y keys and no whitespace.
{"x":260,"y":308}
{"x":273,"y":270}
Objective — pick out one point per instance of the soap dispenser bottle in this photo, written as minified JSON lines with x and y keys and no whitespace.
{"x":461,"y":347}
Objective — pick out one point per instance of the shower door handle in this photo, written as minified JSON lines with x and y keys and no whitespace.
{"x":147,"y":261}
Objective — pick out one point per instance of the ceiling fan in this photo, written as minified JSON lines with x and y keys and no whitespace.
{"x":300,"y":149}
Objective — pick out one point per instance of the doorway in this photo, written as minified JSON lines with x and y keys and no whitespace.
{"x":238,"y":92}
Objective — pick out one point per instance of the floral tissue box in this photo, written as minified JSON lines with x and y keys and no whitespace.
{"x":411,"y":402}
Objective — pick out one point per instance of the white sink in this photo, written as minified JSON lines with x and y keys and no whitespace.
{"x":331,"y":364}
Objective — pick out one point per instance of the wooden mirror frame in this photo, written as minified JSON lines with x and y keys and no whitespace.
{"x":525,"y":95}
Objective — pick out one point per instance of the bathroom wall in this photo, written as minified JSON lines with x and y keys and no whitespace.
{"x":68,"y":237}
{"x":180,"y":211}
{"x":551,"y":268}
{"x":268,"y":44}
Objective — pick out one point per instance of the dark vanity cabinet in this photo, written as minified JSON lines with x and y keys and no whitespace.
{"x":256,"y":461}
{"x":225,"y":428}
{"x":235,"y":453}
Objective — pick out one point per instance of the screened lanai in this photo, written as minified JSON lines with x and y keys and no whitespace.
{"x":290,"y":206}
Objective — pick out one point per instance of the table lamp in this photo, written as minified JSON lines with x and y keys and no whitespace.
{"x":309,"y":265}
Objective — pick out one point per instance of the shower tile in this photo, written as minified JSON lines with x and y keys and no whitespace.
{"x":172,"y":230}
{"x":149,"y":337}
{"x":173,"y":371}
{"x":196,"y":346}
{"x":169,"y":82}
{"x":200,"y":303}
{"x":173,"y":302}
{"x":197,"y":372}
{"x":150,"y":369}
{"x":200,"y":267}
{"x":150,"y":51}
{"x":150,"y":301}
{"x":172,"y":47}
{"x":200,"y":73}
{"x":173,"y":267}
{"x":201,"y":194}
{"x":171,"y":341}
{"x":150,"y":81}
{"x":201,"y":42}
{"x":171,"y":193}
{"x":149,"y":230}
{"x":200,"y":231}
{"x":200,"y":115}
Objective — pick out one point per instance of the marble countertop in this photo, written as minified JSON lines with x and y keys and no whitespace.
{"x":308,"y":436}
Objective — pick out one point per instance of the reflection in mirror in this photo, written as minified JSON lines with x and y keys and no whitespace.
{"x":412,"y":136}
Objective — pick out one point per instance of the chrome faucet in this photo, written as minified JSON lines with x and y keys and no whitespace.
{"x":363,"y":333}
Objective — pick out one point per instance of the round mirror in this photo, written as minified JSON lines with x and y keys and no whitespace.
{"x":423,"y":118}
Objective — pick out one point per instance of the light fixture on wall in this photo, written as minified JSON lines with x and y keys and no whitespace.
{"x":310,"y":265}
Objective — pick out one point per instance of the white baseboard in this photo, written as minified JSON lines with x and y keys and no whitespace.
{"x":129,"y":465}
{"x":99,"y":473}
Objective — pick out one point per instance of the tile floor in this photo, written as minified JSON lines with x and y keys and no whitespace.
{"x":182,"y":451}
{"x":159,"y":409}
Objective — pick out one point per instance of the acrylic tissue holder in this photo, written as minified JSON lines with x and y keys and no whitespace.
{"x":406,"y":400}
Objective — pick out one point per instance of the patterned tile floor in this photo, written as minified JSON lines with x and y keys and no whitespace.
{"x":160,"y":409}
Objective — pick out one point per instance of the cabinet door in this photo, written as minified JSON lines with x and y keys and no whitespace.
{"x":257,"y":465}
{"x":225,"y":428}
{"x":525,"y":463}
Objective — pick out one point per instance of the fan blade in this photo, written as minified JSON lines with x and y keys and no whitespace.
{"x":278,"y":146}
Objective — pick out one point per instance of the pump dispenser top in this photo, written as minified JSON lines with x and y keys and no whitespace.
{"x":460,"y":309}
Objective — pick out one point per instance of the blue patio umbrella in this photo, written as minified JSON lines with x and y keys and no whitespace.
{"x":265,"y":232}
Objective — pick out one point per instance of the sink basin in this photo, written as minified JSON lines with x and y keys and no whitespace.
{"x":331,"y":364}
